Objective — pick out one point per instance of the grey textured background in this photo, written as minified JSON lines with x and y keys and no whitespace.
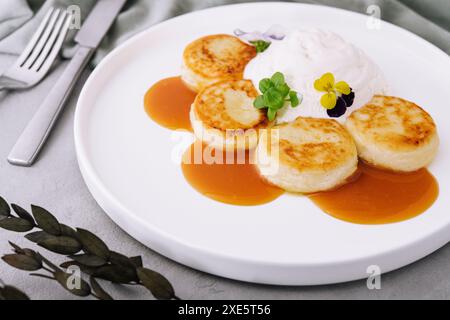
{"x":56,"y":184}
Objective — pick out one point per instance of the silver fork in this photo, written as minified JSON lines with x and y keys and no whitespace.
{"x":40,"y":53}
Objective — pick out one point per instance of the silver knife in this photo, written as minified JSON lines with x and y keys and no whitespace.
{"x":88,"y":38}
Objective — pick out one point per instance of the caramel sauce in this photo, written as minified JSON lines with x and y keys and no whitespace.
{"x":380,"y":197}
{"x":372,"y":196}
{"x":168,"y":103}
{"x":231,"y":181}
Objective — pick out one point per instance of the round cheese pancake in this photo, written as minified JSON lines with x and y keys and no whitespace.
{"x":307,"y":155}
{"x":394,"y":134}
{"x":223,"y":115}
{"x":215,"y":58}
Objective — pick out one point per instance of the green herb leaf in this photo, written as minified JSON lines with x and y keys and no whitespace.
{"x":16,"y":224}
{"x":158,"y":285}
{"x":5,"y":210}
{"x":271,"y":114}
{"x":283,"y":89}
{"x":46,"y":221}
{"x":93,"y":244}
{"x":273,"y":99}
{"x":259,"y":102}
{"x":294,"y":99}
{"x":260,"y":45}
{"x":275,"y":92}
{"x":265,"y":84}
{"x":22,"y":262}
{"x":278,"y":79}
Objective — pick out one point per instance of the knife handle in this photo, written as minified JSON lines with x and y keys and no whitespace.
{"x":37,"y":131}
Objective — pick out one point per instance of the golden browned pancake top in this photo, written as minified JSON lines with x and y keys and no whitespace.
{"x":218,"y":56}
{"x":312,"y":144}
{"x":229,"y":105}
{"x":393,"y":123}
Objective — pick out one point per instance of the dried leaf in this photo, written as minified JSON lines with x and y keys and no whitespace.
{"x":158,"y":285}
{"x":25,"y":251}
{"x":85,"y":269}
{"x":137,"y":261}
{"x":16,"y":224}
{"x":119,"y":259}
{"x":16,"y":248}
{"x":46,"y":221}
{"x":66,"y":281}
{"x":47,"y":262}
{"x":61,"y":245}
{"x":98,"y":290}
{"x":89,"y":260}
{"x":5,"y":210}
{"x":22,"y":213}
{"x":68,"y":231}
{"x":116,"y":274}
{"x":93,"y":244}
{"x":12,"y":293}
{"x":22,"y":262}
{"x":38,"y":236}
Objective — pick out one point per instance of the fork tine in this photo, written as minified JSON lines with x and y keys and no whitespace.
{"x":36,"y":36}
{"x":60,"y":27}
{"x":42,"y":41}
{"x":55,"y":49}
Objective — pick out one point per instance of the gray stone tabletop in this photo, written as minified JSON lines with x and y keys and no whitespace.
{"x":55,"y":183}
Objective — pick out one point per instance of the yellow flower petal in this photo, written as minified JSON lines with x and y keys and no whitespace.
{"x":325,"y":83}
{"x":328,"y":100}
{"x":343,"y":87}
{"x":328,"y":78}
{"x":320,"y":86}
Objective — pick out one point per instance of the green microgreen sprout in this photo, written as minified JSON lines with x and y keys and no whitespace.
{"x":275,"y":93}
{"x":260,"y":45}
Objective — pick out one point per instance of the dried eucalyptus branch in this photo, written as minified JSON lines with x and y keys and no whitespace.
{"x":84,"y":250}
{"x":11,"y":293}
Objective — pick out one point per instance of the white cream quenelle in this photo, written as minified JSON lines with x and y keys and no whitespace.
{"x":304,"y":56}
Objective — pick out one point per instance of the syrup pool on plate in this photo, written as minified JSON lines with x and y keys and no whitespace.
{"x":226,"y":176}
{"x":379,"y":197}
{"x":168,"y":103}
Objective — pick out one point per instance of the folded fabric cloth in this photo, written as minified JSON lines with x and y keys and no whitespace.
{"x":19,"y":18}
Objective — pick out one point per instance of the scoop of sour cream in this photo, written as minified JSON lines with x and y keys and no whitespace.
{"x":304,"y":56}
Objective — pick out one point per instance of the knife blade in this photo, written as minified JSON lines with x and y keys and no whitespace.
{"x":98,"y":22}
{"x":33,"y":138}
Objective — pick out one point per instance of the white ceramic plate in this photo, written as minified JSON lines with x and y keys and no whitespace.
{"x":126,"y":159}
